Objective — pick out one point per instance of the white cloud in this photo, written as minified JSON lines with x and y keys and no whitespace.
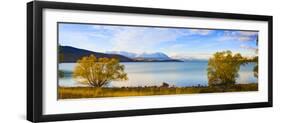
{"x":177,"y":46}
{"x":240,"y":35}
{"x":97,"y":35}
{"x":255,"y":49}
{"x":128,"y":38}
{"x":247,"y":33}
{"x":199,"y":32}
{"x":142,"y":39}
{"x":83,"y":39}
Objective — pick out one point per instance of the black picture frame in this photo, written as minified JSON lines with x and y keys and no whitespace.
{"x":35,"y":69}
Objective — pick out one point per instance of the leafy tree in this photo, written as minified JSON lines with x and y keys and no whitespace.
{"x":165,"y":85}
{"x":256,"y":59}
{"x":98,"y":72}
{"x":256,"y":68}
{"x":256,"y":71}
{"x":223,"y":68}
{"x":61,"y":73}
{"x":60,"y":56}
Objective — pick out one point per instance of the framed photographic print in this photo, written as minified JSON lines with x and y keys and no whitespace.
{"x":96,"y":61}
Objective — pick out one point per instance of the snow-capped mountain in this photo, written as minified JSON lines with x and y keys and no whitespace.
{"x":156,"y":55}
{"x":123,"y":53}
{"x":189,"y":58}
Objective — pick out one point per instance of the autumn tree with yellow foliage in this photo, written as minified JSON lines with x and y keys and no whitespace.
{"x":98,"y":72}
{"x":223,"y":68}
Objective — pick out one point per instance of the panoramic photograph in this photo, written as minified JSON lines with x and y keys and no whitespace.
{"x":101,"y":60}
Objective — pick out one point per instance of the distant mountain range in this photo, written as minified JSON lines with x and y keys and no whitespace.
{"x":189,"y":58}
{"x":123,"y":53}
{"x":72,"y":54}
{"x":155,"y":56}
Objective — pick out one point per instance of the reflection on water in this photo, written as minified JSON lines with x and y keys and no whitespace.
{"x":179,"y":74}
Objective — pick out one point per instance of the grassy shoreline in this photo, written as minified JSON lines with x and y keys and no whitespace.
{"x":92,"y":92}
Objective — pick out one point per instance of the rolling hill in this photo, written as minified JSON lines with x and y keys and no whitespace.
{"x":72,"y":54}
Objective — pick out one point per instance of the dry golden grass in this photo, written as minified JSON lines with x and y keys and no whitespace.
{"x":92,"y":92}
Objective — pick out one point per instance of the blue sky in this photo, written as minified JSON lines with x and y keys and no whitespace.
{"x":175,"y":42}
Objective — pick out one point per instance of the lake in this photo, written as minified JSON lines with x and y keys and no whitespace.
{"x":180,"y":74}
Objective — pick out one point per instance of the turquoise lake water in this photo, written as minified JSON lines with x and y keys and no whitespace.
{"x":179,"y":74}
